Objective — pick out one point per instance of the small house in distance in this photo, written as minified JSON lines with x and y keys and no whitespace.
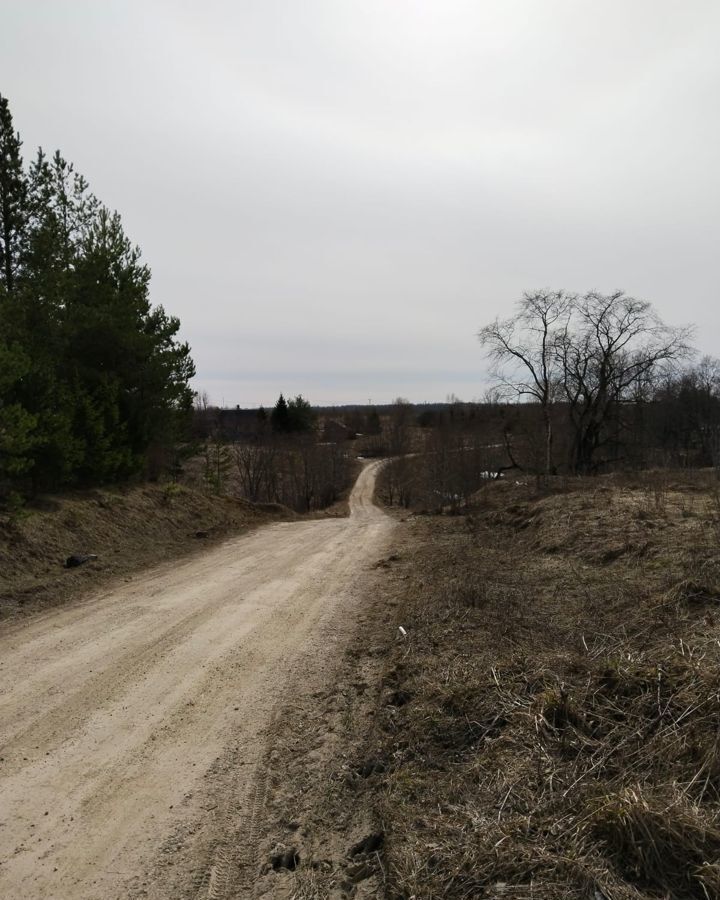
{"x":335,"y":432}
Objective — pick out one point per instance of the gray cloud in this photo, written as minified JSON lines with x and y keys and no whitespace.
{"x":334,"y":196}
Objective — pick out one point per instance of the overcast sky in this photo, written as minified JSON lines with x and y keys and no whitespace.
{"x":335,"y":195}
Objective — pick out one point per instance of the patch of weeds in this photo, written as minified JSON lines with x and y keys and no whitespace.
{"x":658,"y":844}
{"x":701,"y":586}
{"x":107,"y":501}
{"x":13,"y":508}
{"x":170,"y":491}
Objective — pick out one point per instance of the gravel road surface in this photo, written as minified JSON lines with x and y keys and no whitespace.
{"x":136,"y":725}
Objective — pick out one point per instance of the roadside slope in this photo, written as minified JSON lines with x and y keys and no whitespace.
{"x":126,"y":528}
{"x":124,"y":715}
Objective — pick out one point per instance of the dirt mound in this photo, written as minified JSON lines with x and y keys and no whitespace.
{"x":125,"y":529}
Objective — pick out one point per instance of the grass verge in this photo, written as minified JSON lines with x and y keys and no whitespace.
{"x":560,"y":733}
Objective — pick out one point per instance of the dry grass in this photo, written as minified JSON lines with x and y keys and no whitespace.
{"x":559,"y":736}
{"x":126,"y":528}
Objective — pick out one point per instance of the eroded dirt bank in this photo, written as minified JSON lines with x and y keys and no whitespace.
{"x":134,"y":726}
{"x":127,"y":529}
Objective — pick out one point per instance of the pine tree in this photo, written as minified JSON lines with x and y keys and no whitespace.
{"x":125,"y":352}
{"x":279,"y":417}
{"x":300,"y":415}
{"x":16,"y":424}
{"x":94,"y":381}
{"x":13,"y":199}
{"x":60,"y":208}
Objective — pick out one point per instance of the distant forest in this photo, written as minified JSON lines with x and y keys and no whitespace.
{"x":94,"y":383}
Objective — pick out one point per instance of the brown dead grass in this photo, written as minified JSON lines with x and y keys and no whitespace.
{"x":127,"y":529}
{"x":562,"y":664}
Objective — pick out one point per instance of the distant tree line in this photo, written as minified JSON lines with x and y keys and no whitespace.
{"x":93,"y":379}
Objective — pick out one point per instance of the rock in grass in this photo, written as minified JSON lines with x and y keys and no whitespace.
{"x":79,"y":559}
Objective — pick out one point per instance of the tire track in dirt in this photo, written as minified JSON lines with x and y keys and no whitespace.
{"x":234,"y":836}
{"x":232,"y":873}
{"x":136,"y":619}
{"x":131,"y":741}
{"x":108,"y":679}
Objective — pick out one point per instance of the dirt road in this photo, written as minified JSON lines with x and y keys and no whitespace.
{"x":135,"y":727}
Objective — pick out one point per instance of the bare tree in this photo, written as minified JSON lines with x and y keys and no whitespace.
{"x":592,"y":353}
{"x":253,"y":462}
{"x":615,"y":343}
{"x":204,"y":416}
{"x":708,"y":380}
{"x":524,"y":352}
{"x":686,"y":412}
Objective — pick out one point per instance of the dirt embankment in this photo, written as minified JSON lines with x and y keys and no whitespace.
{"x":127,"y":529}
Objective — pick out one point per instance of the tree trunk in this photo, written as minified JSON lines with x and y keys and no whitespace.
{"x":548,"y":443}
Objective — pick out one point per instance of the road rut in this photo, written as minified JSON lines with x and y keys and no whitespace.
{"x":115,"y":712}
